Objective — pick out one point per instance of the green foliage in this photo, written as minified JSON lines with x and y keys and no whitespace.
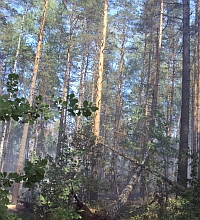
{"x":12,"y":216}
{"x":64,"y":214}
{"x":185,"y":206}
{"x":72,"y":106}
{"x":19,"y":108}
{"x":14,"y":107}
{"x":56,"y":193}
{"x":34,"y":172}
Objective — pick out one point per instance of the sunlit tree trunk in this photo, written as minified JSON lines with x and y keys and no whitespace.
{"x":94,"y":75}
{"x":80,"y":98}
{"x":3,"y":134}
{"x":184,"y":130}
{"x":94,"y":193}
{"x":157,"y":74}
{"x":32,"y":89}
{"x":100,"y":73}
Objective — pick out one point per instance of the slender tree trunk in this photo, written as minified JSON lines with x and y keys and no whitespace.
{"x":100,"y":73}
{"x":1,"y":74}
{"x":3,"y":134}
{"x":80,"y":99}
{"x":32,"y":89}
{"x":148,"y":78}
{"x":14,"y":71}
{"x":172,"y":90}
{"x":94,"y":193}
{"x":143,"y":71}
{"x":194,"y":101}
{"x":157,"y":74}
{"x":118,"y":100}
{"x":184,"y":130}
{"x":198,"y":51}
{"x":62,"y":124}
{"x":6,"y":146}
{"x":94,"y":75}
{"x":118,"y":111}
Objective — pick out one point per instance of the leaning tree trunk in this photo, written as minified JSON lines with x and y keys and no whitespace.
{"x":32,"y":89}
{"x":122,"y":199}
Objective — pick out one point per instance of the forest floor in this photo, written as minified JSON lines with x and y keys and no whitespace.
{"x":88,"y":214}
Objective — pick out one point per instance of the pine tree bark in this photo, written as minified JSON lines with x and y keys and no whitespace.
{"x":143,"y":71}
{"x":94,"y":193}
{"x":184,"y":130}
{"x":118,"y":109}
{"x":100,"y":72}
{"x":198,"y":98}
{"x":62,"y":124}
{"x":80,"y":98}
{"x":157,"y":74}
{"x":32,"y":89}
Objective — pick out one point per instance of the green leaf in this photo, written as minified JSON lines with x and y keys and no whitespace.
{"x":28,"y":184}
{"x":73,"y":102}
{"x":87,"y":113}
{"x":94,"y":108}
{"x":4,"y":201}
{"x":85,"y":104}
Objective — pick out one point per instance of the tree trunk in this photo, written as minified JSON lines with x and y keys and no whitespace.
{"x":94,"y":193}
{"x":80,"y":98}
{"x":198,"y":98}
{"x":118,"y":111}
{"x":62,"y":124}
{"x":94,"y":75}
{"x":114,"y":211}
{"x":13,"y":71}
{"x":32,"y":89}
{"x":157,"y":74}
{"x":172,"y":90}
{"x":184,"y":130}
{"x":195,"y":88}
{"x":143,"y":71}
{"x":100,"y":73}
{"x":3,"y":134}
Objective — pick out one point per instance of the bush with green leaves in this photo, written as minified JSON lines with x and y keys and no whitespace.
{"x":56,"y":194}
{"x":33,"y":172}
{"x":18,"y":108}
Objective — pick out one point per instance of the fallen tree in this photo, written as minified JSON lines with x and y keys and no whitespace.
{"x":114,"y":211}
{"x":123,"y":197}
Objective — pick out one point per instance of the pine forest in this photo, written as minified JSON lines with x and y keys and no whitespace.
{"x":99,"y":109}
